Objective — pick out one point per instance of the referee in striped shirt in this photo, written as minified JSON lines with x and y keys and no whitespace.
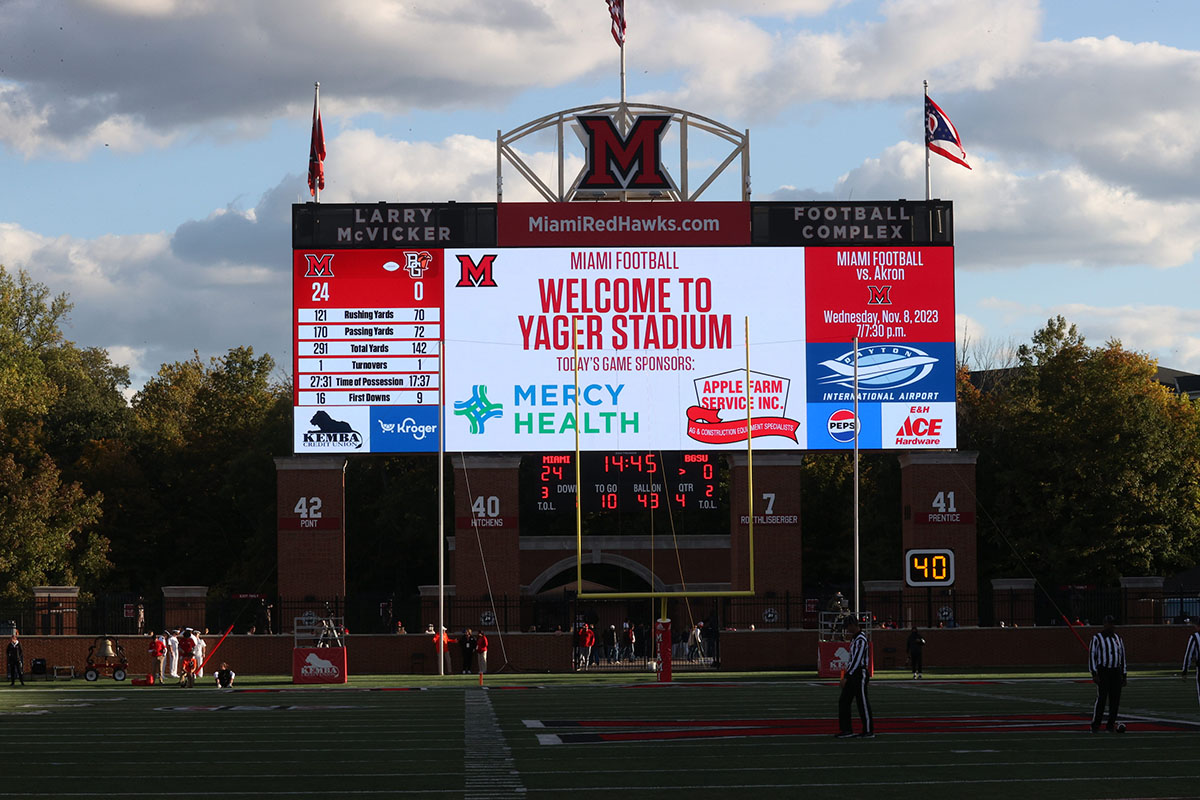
{"x":1191,"y":656}
{"x":854,"y":684}
{"x":1107,"y":663}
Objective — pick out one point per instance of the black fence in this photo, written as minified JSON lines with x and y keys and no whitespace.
{"x":124,"y":614}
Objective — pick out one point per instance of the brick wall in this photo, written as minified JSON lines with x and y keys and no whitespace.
{"x":959,"y":649}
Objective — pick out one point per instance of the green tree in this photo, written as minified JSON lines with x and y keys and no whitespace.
{"x":205,"y":436}
{"x":1089,"y":469}
{"x":47,"y":524}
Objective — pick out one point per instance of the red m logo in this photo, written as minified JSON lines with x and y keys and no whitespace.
{"x":472,"y":274}
{"x":880,"y":295}
{"x":321,"y":267}
{"x":624,"y":162}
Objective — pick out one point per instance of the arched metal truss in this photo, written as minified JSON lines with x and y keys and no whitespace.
{"x":558,"y":188}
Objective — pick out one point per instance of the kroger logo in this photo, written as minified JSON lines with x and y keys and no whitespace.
{"x":410,"y":426}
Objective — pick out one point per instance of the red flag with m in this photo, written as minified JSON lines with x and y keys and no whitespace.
{"x":316,"y":149}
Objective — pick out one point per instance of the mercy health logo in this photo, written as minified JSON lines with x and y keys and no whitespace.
{"x":764,"y":395}
{"x":336,"y":429}
{"x":404,"y":429}
{"x":891,"y":373}
{"x":919,"y":425}
{"x":478,"y":409}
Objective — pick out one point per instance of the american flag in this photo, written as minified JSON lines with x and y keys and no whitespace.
{"x":617,"y":9}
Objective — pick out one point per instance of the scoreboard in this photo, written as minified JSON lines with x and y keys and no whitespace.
{"x":415,"y":326}
{"x":632,"y":481}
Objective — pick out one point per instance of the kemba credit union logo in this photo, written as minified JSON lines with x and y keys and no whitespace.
{"x":317,"y":667}
{"x":330,"y":432}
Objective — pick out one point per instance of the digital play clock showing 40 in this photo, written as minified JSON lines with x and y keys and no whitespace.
{"x":641,"y":481}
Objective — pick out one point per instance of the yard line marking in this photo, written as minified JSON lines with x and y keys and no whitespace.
{"x":488,"y":766}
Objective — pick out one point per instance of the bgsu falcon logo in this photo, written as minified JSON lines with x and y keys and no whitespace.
{"x":415,"y":264}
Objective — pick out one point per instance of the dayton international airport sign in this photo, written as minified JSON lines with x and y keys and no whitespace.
{"x":499,"y":311}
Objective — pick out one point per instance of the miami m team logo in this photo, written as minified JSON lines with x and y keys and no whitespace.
{"x":634,"y":161}
{"x":318,"y":266}
{"x":477,"y":275}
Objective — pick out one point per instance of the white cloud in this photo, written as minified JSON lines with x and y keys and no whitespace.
{"x":1009,"y":218}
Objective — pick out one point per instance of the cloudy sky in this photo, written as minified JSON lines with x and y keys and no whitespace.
{"x":152,"y":148}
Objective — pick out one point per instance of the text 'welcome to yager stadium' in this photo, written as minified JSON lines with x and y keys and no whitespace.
{"x":646,"y":307}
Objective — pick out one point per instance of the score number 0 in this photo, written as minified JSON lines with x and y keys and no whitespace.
{"x":929,"y":567}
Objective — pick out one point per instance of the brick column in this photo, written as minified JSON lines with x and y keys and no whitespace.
{"x":486,"y":530}
{"x":1143,"y":601}
{"x":1012,"y":601}
{"x":938,"y":497}
{"x":185,"y":606}
{"x":311,"y":529}
{"x":55,"y":610}
{"x":776,"y":504}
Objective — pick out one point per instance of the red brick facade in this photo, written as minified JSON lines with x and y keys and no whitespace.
{"x":310,"y":506}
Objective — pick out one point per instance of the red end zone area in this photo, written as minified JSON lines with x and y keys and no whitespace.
{"x":585,"y":731}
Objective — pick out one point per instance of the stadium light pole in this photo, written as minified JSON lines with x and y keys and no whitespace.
{"x":857,"y":608}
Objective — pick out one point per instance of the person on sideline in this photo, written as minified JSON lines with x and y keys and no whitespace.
{"x":1191,"y":656}
{"x":915,"y":646}
{"x":854,"y":684}
{"x":1106,"y":662}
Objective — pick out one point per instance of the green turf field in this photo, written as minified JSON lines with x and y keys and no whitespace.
{"x":709,"y":736}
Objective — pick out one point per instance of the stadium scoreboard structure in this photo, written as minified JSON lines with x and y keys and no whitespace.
{"x":497,"y":312}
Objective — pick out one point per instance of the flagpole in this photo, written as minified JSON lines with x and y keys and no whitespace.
{"x":857,"y":583}
{"x":622,"y":73}
{"x":317,"y":106}
{"x":925,"y":141}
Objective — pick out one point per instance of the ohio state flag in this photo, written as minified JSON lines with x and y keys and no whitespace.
{"x":941,"y":136}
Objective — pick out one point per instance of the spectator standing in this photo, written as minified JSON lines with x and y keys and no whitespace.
{"x":611,"y":644}
{"x":481,"y":648}
{"x":173,"y":654}
{"x":695,"y":642}
{"x":16,"y":661}
{"x":1107,"y":664}
{"x":916,"y":655}
{"x":467,"y":642}
{"x":158,"y":651}
{"x":201,"y":646}
{"x":630,"y":640}
{"x":441,"y":647}
{"x":854,"y":684}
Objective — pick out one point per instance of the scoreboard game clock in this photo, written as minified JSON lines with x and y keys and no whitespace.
{"x":639,"y":481}
{"x":929,"y":567}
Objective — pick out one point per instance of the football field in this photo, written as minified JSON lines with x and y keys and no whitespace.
{"x":712,"y":736}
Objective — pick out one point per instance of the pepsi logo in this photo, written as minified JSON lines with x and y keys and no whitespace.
{"x":841,"y":425}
